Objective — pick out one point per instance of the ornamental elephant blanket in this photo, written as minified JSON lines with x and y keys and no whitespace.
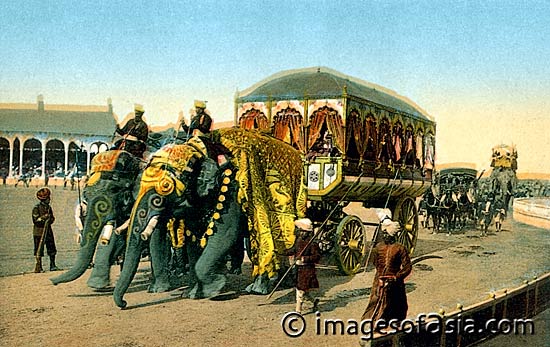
{"x":271,"y":193}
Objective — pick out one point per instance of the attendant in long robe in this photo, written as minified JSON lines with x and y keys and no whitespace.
{"x":388,"y":299}
{"x":307,"y":255}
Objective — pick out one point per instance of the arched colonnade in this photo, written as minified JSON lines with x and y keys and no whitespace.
{"x":37,"y":155}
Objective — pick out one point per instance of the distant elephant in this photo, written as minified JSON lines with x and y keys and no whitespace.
{"x":504,"y":182}
{"x":108,"y":193}
{"x":260,"y":189}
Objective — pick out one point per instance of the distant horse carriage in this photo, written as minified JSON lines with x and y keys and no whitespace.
{"x":360,"y":143}
{"x":451,"y":201}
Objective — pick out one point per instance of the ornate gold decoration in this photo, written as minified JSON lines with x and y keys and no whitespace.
{"x":94,"y":178}
{"x":105,"y":161}
{"x":271,"y":221}
{"x":176,"y":232}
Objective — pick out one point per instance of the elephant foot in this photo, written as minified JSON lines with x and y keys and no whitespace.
{"x":99,"y":283}
{"x":195,"y":293}
{"x":208,"y":290}
{"x":214,"y":288}
{"x":262,"y":285}
{"x":159,"y":287}
{"x":171,"y":283}
{"x":176,"y":281}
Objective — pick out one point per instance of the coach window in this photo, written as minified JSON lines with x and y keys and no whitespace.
{"x":254,"y":119}
{"x":429,"y":148}
{"x":287,"y":126}
{"x":356,"y":136}
{"x":385,"y":151}
{"x":419,"y":161}
{"x":329,"y":119}
{"x":397,"y":142}
{"x":409,"y":146}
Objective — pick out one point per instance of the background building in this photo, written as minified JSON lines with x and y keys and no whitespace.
{"x":39,"y":139}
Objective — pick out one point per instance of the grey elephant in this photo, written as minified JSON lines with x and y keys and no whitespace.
{"x":256,"y":187}
{"x":503,"y":185}
{"x":109,"y":197}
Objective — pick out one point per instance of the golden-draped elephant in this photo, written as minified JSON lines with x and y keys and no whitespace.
{"x":217,"y":185}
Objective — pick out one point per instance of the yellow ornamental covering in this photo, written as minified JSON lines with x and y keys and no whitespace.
{"x":104,"y":161}
{"x":504,"y":156}
{"x":271,"y":193}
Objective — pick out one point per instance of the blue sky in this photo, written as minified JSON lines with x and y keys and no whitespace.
{"x":479,"y":67}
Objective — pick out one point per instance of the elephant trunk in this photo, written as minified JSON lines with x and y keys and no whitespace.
{"x":131,"y":262}
{"x":100,"y":212}
{"x":84,"y":257}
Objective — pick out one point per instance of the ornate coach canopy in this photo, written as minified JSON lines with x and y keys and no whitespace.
{"x":320,"y":110}
{"x":325,"y":83}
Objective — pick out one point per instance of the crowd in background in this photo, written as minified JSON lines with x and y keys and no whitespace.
{"x":532,"y":188}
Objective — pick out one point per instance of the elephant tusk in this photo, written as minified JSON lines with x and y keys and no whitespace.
{"x":124,"y":226}
{"x":150,"y":228}
{"x":106,"y":234}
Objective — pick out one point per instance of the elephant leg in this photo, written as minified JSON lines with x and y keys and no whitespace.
{"x":179,"y":262}
{"x":99,"y":278}
{"x":159,"y":247}
{"x":262,"y":284}
{"x":193,"y":252}
{"x":237,"y":256}
{"x":211,"y":281}
{"x":219,"y":244}
{"x":237,"y":252}
{"x":118,"y":252}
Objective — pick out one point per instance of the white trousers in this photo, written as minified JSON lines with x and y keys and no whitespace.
{"x":300,"y":296}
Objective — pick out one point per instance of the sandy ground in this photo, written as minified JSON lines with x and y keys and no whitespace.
{"x":36,"y":313}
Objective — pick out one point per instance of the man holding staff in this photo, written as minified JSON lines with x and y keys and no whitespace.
{"x":43,"y":218}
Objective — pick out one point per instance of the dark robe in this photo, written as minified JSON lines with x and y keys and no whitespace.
{"x":138,"y":129}
{"x":43,"y":218}
{"x":306,"y":274}
{"x":388,"y":300}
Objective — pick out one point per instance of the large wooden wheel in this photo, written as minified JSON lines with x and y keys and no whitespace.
{"x":407,"y":215}
{"x":350,"y":244}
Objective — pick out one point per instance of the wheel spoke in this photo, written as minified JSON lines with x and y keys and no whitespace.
{"x":407,"y":216}
{"x":350,"y":241}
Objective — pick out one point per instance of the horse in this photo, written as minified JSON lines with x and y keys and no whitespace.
{"x":466,"y":210}
{"x":447,"y":208}
{"x":431,"y":202}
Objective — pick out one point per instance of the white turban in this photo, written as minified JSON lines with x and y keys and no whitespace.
{"x":304,"y":224}
{"x":390,"y":227}
{"x":383,"y":213}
